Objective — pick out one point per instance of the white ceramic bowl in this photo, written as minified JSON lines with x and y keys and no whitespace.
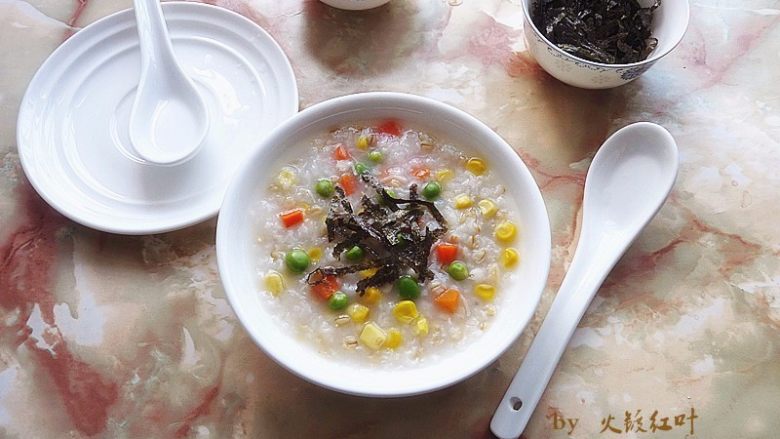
{"x":236,"y":235}
{"x":670,"y":22}
{"x":355,"y":5}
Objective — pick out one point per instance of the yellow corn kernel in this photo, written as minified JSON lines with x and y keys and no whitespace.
{"x":476,"y":166}
{"x":373,"y":336}
{"x":357,"y":312}
{"x":421,"y":326}
{"x":315,"y":253}
{"x":286,"y":178}
{"x":444,"y":175}
{"x":362,"y":142}
{"x":463,"y":201}
{"x":485,"y":291}
{"x":488,"y":208}
{"x":405,"y":311}
{"x":506,"y":231}
{"x":368,"y":272}
{"x":372,"y":295}
{"x":274,"y":283}
{"x":509,"y":257}
{"x":394,"y":338}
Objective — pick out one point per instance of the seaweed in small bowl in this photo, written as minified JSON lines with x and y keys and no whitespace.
{"x":605,"y":31}
{"x":602,"y":43}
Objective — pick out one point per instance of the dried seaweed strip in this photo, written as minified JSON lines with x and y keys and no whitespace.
{"x":319,"y":273}
{"x":338,"y":195}
{"x":340,"y":199}
{"x":421,"y":256}
{"x":372,"y":255}
{"x":315,"y":277}
{"x":371,"y":181}
{"x":388,"y":200}
{"x":371,"y":231}
{"x":370,"y":209}
{"x":418,"y":255}
{"x":394,"y":204}
{"x":409,"y":220}
{"x":344,"y":246}
{"x":330,"y":227}
{"x":429,"y":205}
{"x":384,"y":275}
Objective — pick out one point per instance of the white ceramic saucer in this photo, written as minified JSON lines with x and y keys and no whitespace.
{"x":73,"y":122}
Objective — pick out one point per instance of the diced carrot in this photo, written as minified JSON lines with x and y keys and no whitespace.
{"x":326,"y":287}
{"x":446,"y":253}
{"x":448,"y":300}
{"x":341,"y":152}
{"x":421,"y":172}
{"x":291,"y":217}
{"x":391,"y":127}
{"x":348,"y":182}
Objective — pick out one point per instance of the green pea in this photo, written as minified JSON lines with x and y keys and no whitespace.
{"x":337,"y":301}
{"x":375,"y":156}
{"x":458,"y":271}
{"x":361,"y":168}
{"x":431,"y":190}
{"x":297,"y":260}
{"x":354,"y":254}
{"x":324,"y":187}
{"x":408,"y":288}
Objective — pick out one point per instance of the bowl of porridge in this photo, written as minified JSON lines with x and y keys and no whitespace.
{"x":383,"y":244}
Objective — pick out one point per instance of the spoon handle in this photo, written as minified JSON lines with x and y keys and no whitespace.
{"x":586,"y":273}
{"x":152,"y":33}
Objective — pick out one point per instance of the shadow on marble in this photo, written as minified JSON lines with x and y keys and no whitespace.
{"x":363,"y":44}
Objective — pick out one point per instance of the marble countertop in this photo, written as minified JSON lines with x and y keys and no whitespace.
{"x":111,"y":336}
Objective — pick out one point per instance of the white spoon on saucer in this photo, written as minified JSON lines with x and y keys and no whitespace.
{"x":628,"y":181}
{"x":169,"y":119}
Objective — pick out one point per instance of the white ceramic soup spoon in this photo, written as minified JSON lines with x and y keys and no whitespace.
{"x":628,"y":181}
{"x":169,"y":119}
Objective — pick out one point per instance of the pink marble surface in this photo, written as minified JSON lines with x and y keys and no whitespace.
{"x":111,"y":336}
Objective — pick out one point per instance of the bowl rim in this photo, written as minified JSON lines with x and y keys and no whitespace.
{"x":654,"y":56}
{"x":302,"y":121}
{"x":353,"y":5}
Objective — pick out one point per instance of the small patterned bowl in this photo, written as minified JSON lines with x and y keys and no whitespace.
{"x":670,"y":22}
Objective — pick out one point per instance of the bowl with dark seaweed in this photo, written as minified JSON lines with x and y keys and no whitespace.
{"x":602,"y":43}
{"x":383,"y":244}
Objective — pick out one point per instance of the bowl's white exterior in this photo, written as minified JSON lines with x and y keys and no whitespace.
{"x":355,"y":5}
{"x":669,"y":25}
{"x":236,"y":234}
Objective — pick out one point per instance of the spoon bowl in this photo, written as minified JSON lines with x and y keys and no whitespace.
{"x":169,"y":119}
{"x":630,"y":177}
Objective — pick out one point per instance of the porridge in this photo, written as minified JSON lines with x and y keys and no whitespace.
{"x":384,"y":244}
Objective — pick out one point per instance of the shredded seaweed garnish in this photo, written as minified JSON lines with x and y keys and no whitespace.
{"x":606,"y":31}
{"x":394,"y":233}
